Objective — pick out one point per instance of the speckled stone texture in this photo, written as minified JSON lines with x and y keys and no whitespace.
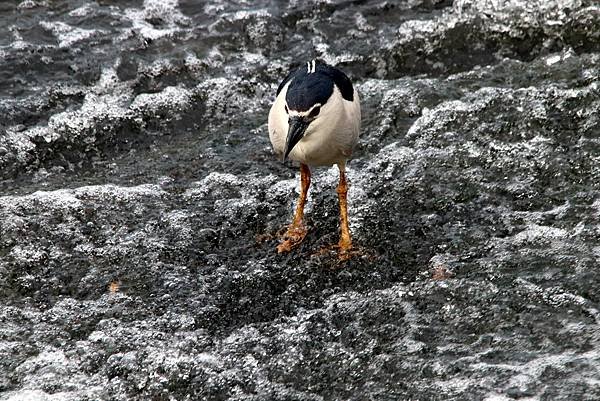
{"x":140,"y":199}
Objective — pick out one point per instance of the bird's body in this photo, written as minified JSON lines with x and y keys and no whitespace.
{"x":330,"y":138}
{"x":315,"y":120}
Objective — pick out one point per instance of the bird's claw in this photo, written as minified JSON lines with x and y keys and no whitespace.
{"x":345,"y":254}
{"x":292,"y":238}
{"x":345,"y":251}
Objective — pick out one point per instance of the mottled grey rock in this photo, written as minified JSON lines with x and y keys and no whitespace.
{"x":140,"y":202}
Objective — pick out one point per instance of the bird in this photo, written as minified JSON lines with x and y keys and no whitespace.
{"x":315,"y":120}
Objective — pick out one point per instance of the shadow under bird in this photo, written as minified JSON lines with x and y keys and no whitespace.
{"x":315,"y":120}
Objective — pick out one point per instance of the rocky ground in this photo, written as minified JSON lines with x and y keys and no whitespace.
{"x":139,"y":198}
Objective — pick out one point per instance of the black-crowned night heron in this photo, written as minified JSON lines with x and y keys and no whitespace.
{"x":315,"y":120}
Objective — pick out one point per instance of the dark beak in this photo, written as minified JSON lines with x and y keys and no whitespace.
{"x":297,"y":128}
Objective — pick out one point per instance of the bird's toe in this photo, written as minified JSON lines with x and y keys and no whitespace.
{"x":293,"y":237}
{"x":344,"y":250}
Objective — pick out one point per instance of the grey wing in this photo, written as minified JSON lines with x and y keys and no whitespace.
{"x":356,"y":112}
{"x":353,"y":126}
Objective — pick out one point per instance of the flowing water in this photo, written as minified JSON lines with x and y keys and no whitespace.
{"x":140,"y":201}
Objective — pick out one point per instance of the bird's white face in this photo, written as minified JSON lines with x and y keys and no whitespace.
{"x":310,"y":114}
{"x":319,"y":119}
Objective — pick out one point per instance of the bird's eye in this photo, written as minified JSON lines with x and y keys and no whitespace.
{"x":286,"y":109}
{"x":315,"y":112}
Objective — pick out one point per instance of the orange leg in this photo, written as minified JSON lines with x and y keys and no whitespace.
{"x":297,"y":230}
{"x":345,"y":244}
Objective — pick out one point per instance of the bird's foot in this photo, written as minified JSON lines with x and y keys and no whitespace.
{"x":292,"y":238}
{"x":345,"y":251}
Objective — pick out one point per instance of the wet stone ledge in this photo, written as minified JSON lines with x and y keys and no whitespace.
{"x":140,"y":202}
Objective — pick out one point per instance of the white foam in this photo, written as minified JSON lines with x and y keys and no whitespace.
{"x":37,"y":395}
{"x":171,"y":97}
{"x":68,"y":35}
{"x":82,"y":11}
{"x":29,"y":4}
{"x":167,"y":11}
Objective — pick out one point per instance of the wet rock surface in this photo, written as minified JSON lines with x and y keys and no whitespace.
{"x":139,"y":198}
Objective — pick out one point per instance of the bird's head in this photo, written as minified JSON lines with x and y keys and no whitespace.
{"x":299,"y":122}
{"x":313,"y":97}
